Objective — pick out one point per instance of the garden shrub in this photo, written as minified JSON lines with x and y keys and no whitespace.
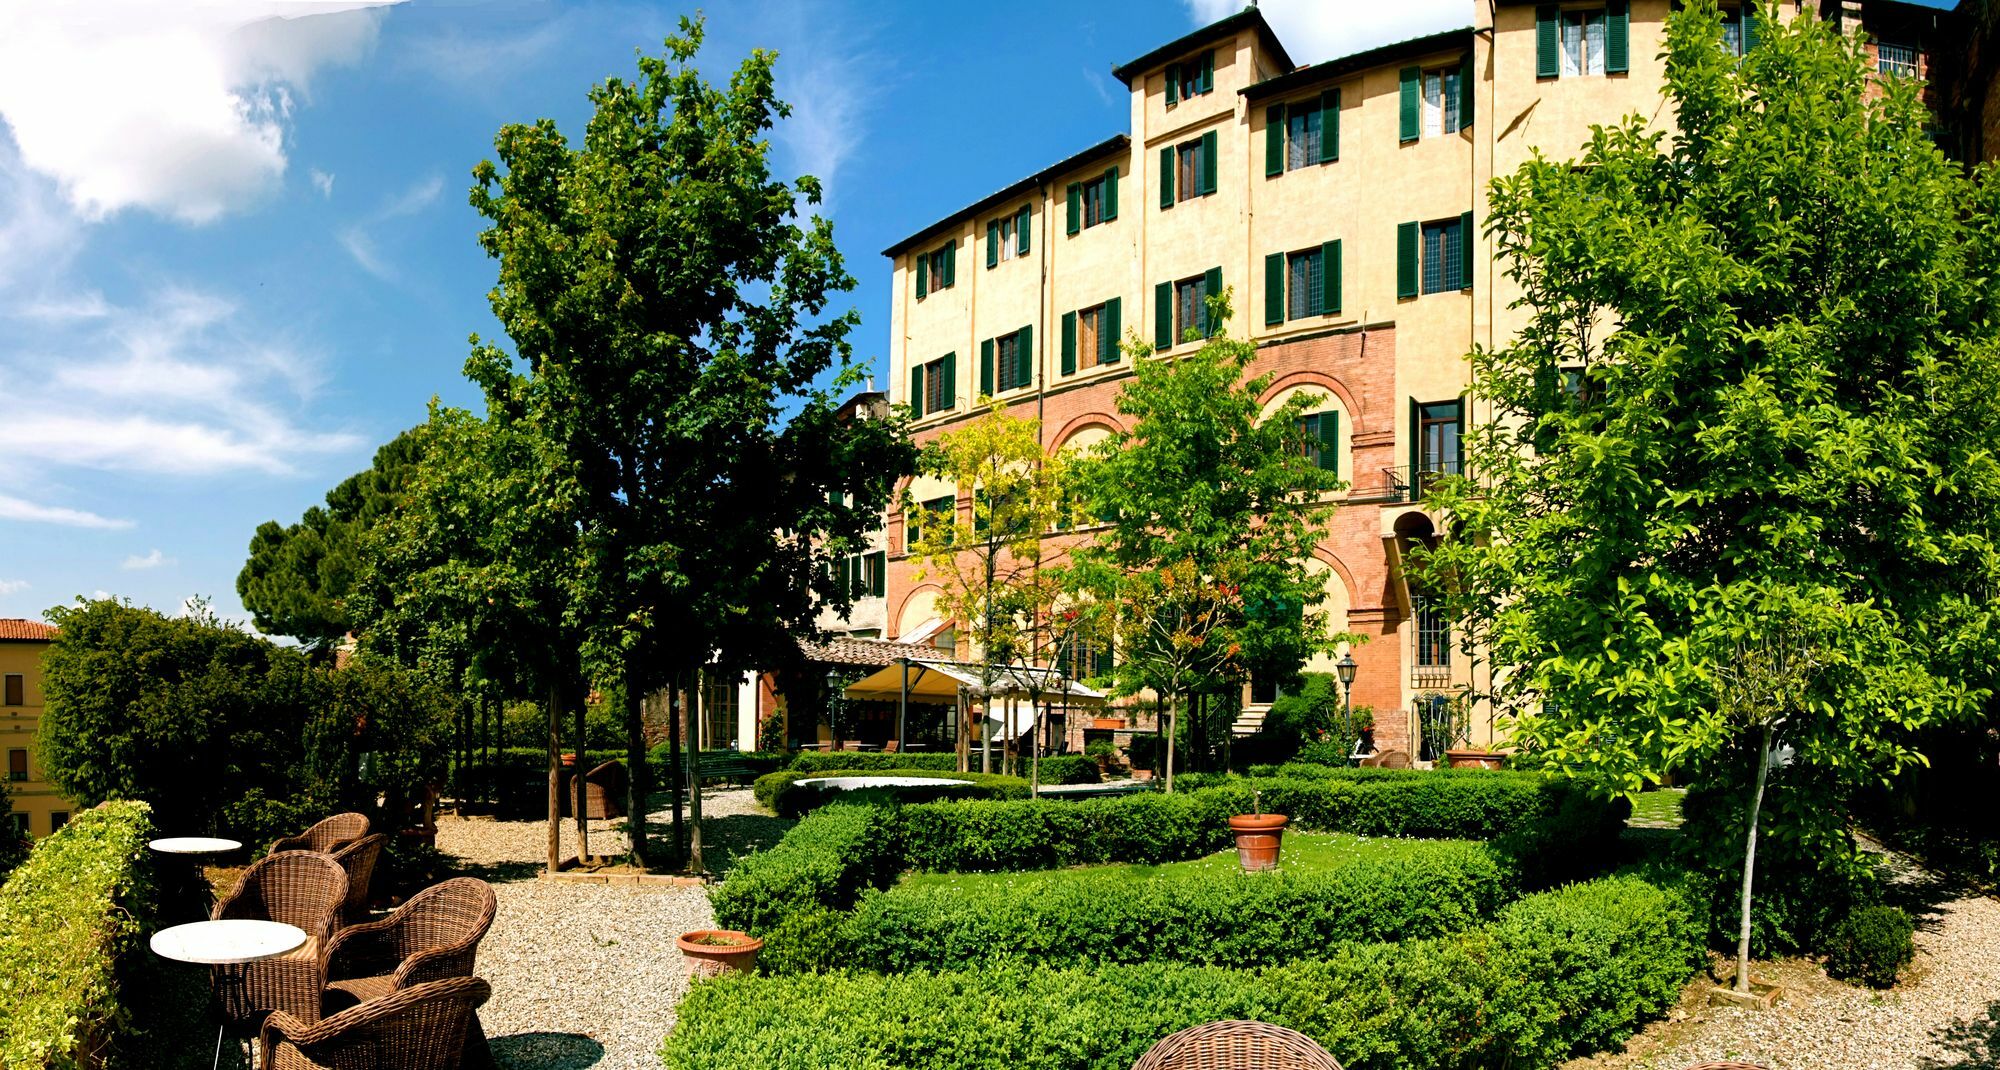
{"x":781,"y":791}
{"x":1216,"y":915}
{"x":1871,"y":945}
{"x":1056,"y":768}
{"x":1044,"y":834}
{"x":822,"y":864}
{"x":1556,"y":974}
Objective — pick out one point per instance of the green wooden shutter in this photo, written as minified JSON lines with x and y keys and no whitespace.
{"x":1208,"y":71}
{"x":1167,"y":177}
{"x":1465,"y":237}
{"x":950,"y":381}
{"x":1274,"y":140}
{"x":917,"y":391}
{"x":1069,"y":343}
{"x":1329,"y":278}
{"x":1407,"y":267}
{"x":1416,"y":445}
{"x":1075,"y":207}
{"x":993,"y":243}
{"x":986,"y":368}
{"x":1329,"y":126}
{"x":1412,"y":79}
{"x":1329,"y":441}
{"x":1111,"y":194}
{"x":1548,"y":41}
{"x":1109,"y":331}
{"x":878,"y":584}
{"x":1173,"y":83}
{"x":1024,"y":357}
{"x":1211,"y":285}
{"x":923,"y":274}
{"x":1465,"y":93}
{"x":1022,"y":220}
{"x":1163,"y":316}
{"x":1274,"y":289}
{"x":854,"y":587}
{"x":1751,"y":17}
{"x":1208,"y":162}
{"x":951,"y":263}
{"x":1617,"y":46}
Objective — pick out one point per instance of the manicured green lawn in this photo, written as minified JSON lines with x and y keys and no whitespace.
{"x":1662,"y":807}
{"x":1303,"y":850}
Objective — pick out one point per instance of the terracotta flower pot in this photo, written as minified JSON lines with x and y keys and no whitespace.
{"x":709,"y":952}
{"x":568,"y":761}
{"x":1107,"y":722}
{"x":1259,"y":837}
{"x":1469,"y":758}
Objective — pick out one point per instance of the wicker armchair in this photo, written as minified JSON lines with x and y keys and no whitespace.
{"x":1388,"y":759}
{"x":301,"y":888}
{"x":328,"y":836}
{"x":432,"y":937}
{"x":420,"y":1028}
{"x":358,"y":860}
{"x":1236,"y":1045}
{"x":603,"y":792}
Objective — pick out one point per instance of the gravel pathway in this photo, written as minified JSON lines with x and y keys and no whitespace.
{"x":1945,"y":1015}
{"x":586,"y":975}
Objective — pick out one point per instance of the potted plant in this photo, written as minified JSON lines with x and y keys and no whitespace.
{"x":1103,"y":752}
{"x":709,"y":952}
{"x":1259,"y":836}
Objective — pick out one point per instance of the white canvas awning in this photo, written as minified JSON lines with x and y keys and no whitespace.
{"x":939,"y":683}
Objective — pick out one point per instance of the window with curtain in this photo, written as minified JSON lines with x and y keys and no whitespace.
{"x":1302,"y":138}
{"x":1004,"y":246}
{"x":1582,"y":42}
{"x":1442,"y":114}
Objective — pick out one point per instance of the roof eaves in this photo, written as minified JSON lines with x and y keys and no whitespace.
{"x":1110,"y":145}
{"x":1227,"y":26}
{"x":1313,"y":74}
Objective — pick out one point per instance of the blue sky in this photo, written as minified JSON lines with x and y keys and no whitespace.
{"x":236,"y":255}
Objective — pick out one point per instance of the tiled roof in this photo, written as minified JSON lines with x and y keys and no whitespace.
{"x":876,"y":652}
{"x":16,"y":628}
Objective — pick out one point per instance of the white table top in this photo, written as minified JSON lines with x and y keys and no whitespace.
{"x":227,"y":942}
{"x":194,"y":845}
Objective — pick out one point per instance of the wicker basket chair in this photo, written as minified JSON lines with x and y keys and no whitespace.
{"x":433,"y":936}
{"x":603,"y":792}
{"x":302,"y":888}
{"x":1388,"y":759}
{"x":419,"y":1028}
{"x":358,"y":860}
{"x":1236,"y":1045}
{"x":326,"y":837}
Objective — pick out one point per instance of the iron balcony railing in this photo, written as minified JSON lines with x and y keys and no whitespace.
{"x":1413,"y":483}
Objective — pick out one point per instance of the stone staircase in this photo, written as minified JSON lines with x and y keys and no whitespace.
{"x":1248,"y":723}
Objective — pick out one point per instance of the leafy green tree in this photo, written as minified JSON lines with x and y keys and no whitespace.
{"x":673,"y":345}
{"x":989,"y":562}
{"x":298,"y":578}
{"x":1213,"y":508}
{"x":1755,"y":393}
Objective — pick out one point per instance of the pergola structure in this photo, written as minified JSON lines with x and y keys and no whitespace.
{"x":941,"y":682}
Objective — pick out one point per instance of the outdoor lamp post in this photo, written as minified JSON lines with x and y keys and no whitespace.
{"x":1344,"y":668}
{"x":833,"y":705}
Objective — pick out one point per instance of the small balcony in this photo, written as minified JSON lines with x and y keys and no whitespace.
{"x":1413,"y":483}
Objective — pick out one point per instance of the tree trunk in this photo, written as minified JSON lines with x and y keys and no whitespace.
{"x":963,"y":745}
{"x":635,"y":766}
{"x":554,"y":700}
{"x":676,"y":702}
{"x":1173,"y":722}
{"x":576,"y":784}
{"x":1750,"y":862}
{"x":694,"y":715}
{"x":1035,"y":749}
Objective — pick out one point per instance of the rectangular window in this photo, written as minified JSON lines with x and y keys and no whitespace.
{"x":1433,"y":634}
{"x":1190,"y":312}
{"x":1093,"y":201}
{"x":1083,"y":657}
{"x":1303,"y":138}
{"x":934,"y":511}
{"x":1438,"y":425}
{"x":1442,"y":114}
{"x":1305,"y":283}
{"x":718,"y":714}
{"x":57,"y":819}
{"x":16,"y":689}
{"x":1089,"y":336}
{"x":20,"y":823}
{"x":1319,"y":448}
{"x":1444,"y":256}
{"x":1264,"y":689}
{"x":1001,"y":235}
{"x":1013,"y":372}
{"x":1190,"y":77}
{"x":1188,"y":173}
{"x":1897,"y":59}
{"x":1732,"y":31}
{"x":1582,"y":42}
{"x":17,"y":764}
{"x":937,"y":398}
{"x":939,"y":269}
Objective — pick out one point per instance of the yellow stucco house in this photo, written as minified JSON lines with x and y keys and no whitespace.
{"x":38,"y":809}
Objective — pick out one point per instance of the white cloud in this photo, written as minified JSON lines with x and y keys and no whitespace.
{"x":179,"y":384}
{"x":1315,"y":31}
{"x":359,"y":238}
{"x":323,"y":182}
{"x":8,"y":587}
{"x":152,"y":560}
{"x":12,"y":508}
{"x":180,"y":109}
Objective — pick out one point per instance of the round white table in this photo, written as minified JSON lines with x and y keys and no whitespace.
{"x":194,"y":845}
{"x":229,"y":942}
{"x":187,"y":889}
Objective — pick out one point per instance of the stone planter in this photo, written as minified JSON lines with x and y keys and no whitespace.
{"x":1259,"y":838}
{"x":1112,"y":723}
{"x":1468,"y":758}
{"x":709,"y":952}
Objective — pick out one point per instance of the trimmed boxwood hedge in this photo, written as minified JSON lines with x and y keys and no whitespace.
{"x":1056,"y":769}
{"x":1557,"y":974}
{"x":1217,"y":916}
{"x":781,"y":792}
{"x":823,"y":864}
